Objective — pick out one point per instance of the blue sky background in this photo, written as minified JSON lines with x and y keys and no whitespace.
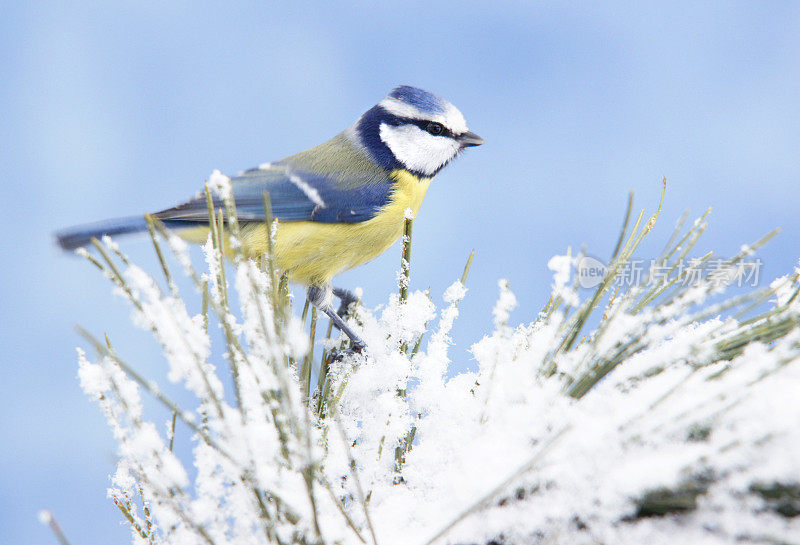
{"x":111,"y":109}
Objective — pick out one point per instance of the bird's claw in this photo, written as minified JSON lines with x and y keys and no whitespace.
{"x":347,"y":298}
{"x":344,"y":309}
{"x":340,"y":354}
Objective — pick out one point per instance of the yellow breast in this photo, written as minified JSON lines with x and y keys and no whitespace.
{"x":312,"y":253}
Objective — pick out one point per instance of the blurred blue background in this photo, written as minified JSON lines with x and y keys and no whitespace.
{"x":112,"y":109}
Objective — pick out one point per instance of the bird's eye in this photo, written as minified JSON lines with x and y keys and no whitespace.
{"x":435,"y":128}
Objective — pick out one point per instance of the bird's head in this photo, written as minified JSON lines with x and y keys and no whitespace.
{"x":415,"y":130}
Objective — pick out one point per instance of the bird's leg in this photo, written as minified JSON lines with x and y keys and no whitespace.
{"x":320,"y":298}
{"x":347,"y":298}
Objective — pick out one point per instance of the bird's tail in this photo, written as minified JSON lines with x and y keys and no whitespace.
{"x":81,"y":235}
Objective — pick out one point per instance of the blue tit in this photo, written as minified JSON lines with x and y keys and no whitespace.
{"x":339,"y":204}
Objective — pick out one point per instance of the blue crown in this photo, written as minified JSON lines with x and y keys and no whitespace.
{"x":419,"y":98}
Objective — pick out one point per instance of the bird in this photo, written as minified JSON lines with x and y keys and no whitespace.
{"x":337,"y":205}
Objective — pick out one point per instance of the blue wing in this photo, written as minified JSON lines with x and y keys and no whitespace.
{"x":295,"y":195}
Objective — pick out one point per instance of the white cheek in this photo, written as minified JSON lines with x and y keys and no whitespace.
{"x":417,"y":149}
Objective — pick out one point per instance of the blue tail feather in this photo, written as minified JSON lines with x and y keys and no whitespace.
{"x":81,"y":235}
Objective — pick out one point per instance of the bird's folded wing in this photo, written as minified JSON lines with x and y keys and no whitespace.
{"x":294,"y":195}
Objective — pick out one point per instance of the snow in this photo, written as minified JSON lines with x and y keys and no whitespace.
{"x":221,"y":185}
{"x":561,"y":265}
{"x":505,"y":304}
{"x":580,"y":464}
{"x":45,"y":517}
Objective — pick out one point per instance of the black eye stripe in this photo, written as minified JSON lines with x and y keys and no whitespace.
{"x":436,"y":129}
{"x":423,"y":124}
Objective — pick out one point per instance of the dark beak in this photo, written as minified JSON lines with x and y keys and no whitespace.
{"x":469,"y":139}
